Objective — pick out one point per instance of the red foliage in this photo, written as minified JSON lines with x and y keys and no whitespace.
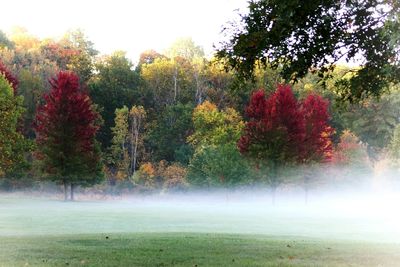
{"x":281,"y":129}
{"x":276,"y":126}
{"x":10,"y":78}
{"x":66,"y":120}
{"x":317,"y":145}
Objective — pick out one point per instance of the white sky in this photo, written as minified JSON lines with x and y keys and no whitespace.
{"x":132,"y":26}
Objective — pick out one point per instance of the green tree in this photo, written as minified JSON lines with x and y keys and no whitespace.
{"x":167,"y":134}
{"x":119,"y":159}
{"x":127,"y":142}
{"x":115,"y":85}
{"x":216,"y":160}
{"x":13,"y":145}
{"x":297,"y":36}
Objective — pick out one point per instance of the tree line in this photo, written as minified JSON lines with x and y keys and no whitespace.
{"x":175,"y":120}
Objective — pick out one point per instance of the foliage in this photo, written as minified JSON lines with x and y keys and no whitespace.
{"x":12,"y":143}
{"x":65,"y":129}
{"x":275,"y":129}
{"x":282,"y":132}
{"x":374,"y":120}
{"x":9,"y":77}
{"x":185,"y":48}
{"x":119,"y":148}
{"x":114,"y":86}
{"x":298,"y":36}
{"x":216,"y":160}
{"x":350,"y":151}
{"x":317,"y":144}
{"x":175,"y":178}
{"x":394,"y":146}
{"x":167,"y":134}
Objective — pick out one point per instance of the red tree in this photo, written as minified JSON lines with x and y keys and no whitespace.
{"x":281,"y":131}
{"x":65,"y":129}
{"x":317,"y":144}
{"x":9,"y":77}
{"x":275,"y":131}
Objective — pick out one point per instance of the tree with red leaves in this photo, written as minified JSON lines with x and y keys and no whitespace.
{"x":65,"y":128}
{"x":317,"y":143}
{"x":282,"y":131}
{"x":274,"y":133}
{"x":9,"y":77}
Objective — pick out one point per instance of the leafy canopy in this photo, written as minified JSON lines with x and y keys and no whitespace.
{"x":301,"y":35}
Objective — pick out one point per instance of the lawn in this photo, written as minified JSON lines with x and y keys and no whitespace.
{"x":36,"y":232}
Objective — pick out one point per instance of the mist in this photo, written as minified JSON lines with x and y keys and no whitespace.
{"x":363,"y":212}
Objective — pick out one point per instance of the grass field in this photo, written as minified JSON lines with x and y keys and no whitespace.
{"x":36,"y":232}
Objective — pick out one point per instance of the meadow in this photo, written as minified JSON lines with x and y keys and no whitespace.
{"x":187,"y":230}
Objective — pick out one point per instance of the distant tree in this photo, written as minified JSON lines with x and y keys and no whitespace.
{"x":374,"y":120}
{"x":127,"y":142}
{"x":137,"y":115}
{"x":299,"y":36}
{"x":115,"y":85}
{"x":148,"y":57}
{"x":350,"y":158}
{"x":216,"y":160}
{"x":4,"y":41}
{"x":274,"y":134}
{"x":168,"y":81}
{"x":12,"y":143}
{"x":119,"y":150}
{"x":185,"y":48}
{"x":167,"y":134}
{"x":394,"y":146}
{"x":65,"y":126}
{"x":9,"y":77}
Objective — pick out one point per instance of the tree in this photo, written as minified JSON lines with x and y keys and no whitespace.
{"x":167,"y":134}
{"x":274,"y":134}
{"x":374,"y":121}
{"x":115,"y":85}
{"x":65,"y":126}
{"x":9,"y":77}
{"x":350,"y":158}
{"x":394,"y":146}
{"x":317,"y":144}
{"x":4,"y":41}
{"x":216,"y":160}
{"x":127,"y":140}
{"x":185,"y":48}
{"x":137,"y":114}
{"x":119,"y":148}
{"x":12,"y":143}
{"x":297,"y":36}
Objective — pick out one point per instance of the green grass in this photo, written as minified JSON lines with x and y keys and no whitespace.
{"x":38,"y":232}
{"x":189,"y":249}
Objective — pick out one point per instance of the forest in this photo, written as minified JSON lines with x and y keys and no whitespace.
{"x":72,"y":119}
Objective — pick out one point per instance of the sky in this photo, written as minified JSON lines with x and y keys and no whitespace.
{"x":131,"y":26}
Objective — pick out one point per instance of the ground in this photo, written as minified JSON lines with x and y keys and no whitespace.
{"x":37,"y":232}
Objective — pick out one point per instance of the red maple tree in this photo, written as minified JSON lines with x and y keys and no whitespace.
{"x":65,"y":128}
{"x":275,"y":128}
{"x":317,"y":144}
{"x":282,"y":131}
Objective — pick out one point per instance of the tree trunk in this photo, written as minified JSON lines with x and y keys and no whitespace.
{"x":72,"y":191}
{"x":65,"y":191}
